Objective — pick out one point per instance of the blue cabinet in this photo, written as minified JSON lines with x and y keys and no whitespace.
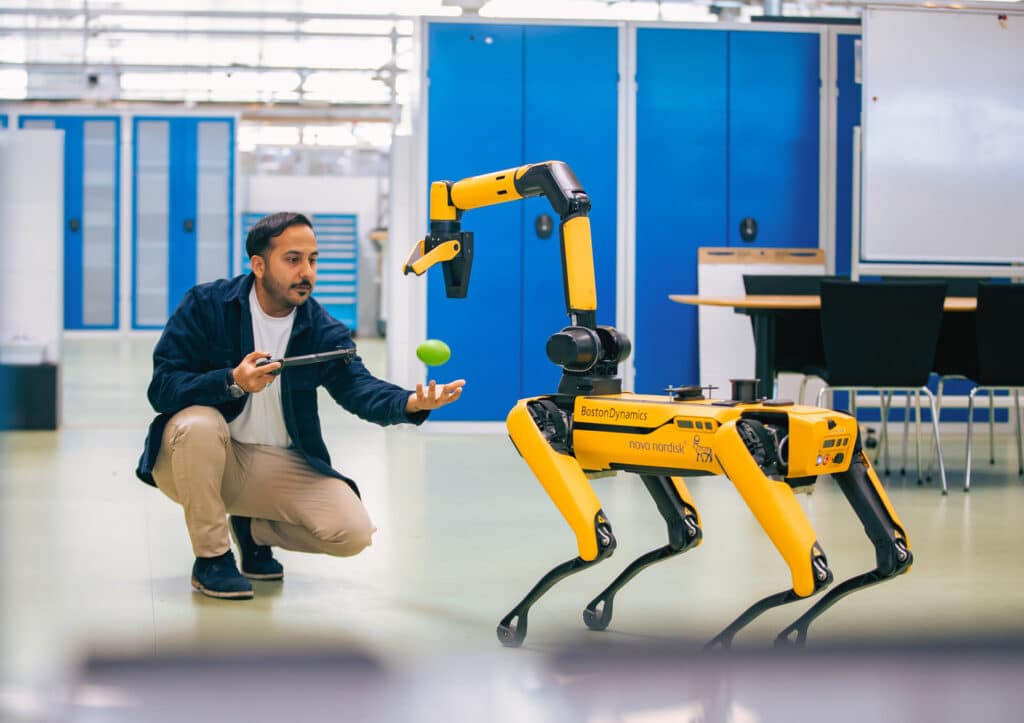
{"x":727,"y":129}
{"x":3,"y":120}
{"x":182,"y":210}
{"x":501,"y":96}
{"x":92,"y":190}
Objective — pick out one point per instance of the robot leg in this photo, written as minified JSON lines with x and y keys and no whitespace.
{"x":866,"y":495}
{"x":538,"y":432}
{"x":744,"y":452}
{"x":676,"y":507}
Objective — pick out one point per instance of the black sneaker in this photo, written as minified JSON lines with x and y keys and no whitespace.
{"x":218,"y":577}
{"x":258,"y":561}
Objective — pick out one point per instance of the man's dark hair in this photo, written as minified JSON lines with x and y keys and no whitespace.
{"x":270,"y":226}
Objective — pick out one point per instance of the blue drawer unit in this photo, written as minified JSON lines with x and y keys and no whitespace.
{"x":182,"y":210}
{"x":92,"y":192}
{"x":337,"y":277}
{"x":497,"y":100}
{"x":727,"y":129}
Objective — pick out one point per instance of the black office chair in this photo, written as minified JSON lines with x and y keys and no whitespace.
{"x":1000,"y":349}
{"x":882,"y":336}
{"x":955,"y":356}
{"x":798,"y":346}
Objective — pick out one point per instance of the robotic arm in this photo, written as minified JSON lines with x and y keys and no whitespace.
{"x":588,"y":354}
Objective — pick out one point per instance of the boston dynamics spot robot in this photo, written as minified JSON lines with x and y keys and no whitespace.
{"x":768,"y":449}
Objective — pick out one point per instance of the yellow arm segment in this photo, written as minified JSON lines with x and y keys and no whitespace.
{"x":485,"y":190}
{"x":579,"y":264}
{"x":560,"y":475}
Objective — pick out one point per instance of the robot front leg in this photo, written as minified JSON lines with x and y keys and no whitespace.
{"x":538,"y":431}
{"x":747,"y":454}
{"x":676,"y":507}
{"x":866,"y":495}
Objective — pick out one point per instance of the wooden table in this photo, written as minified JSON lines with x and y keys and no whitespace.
{"x":763,"y":309}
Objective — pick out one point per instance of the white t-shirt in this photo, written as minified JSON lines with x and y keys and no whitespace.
{"x":262,"y":419}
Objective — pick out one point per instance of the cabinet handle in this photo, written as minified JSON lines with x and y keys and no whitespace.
{"x":748,"y":229}
{"x":189,"y":225}
{"x":543,"y":225}
{"x":74,"y":224}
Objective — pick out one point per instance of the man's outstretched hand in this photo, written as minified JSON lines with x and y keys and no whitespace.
{"x":435,"y":395}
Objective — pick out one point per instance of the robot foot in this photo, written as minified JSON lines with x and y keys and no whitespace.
{"x":512,"y":628}
{"x":903,"y":557}
{"x":724,"y":638}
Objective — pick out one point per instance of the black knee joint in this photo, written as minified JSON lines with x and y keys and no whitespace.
{"x":893,"y":557}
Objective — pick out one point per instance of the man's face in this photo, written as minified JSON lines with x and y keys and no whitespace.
{"x":288,"y":273}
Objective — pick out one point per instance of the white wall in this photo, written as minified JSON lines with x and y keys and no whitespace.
{"x":31,"y":245}
{"x":326,"y":194}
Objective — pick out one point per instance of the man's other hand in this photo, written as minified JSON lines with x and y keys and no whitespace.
{"x":434,"y":396}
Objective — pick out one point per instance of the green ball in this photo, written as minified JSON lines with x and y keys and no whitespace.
{"x":433,"y":352}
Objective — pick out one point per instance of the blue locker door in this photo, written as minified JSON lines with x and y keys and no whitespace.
{"x":570,"y":113}
{"x":183,"y":190}
{"x":681,"y":110}
{"x":3,"y":120}
{"x":847,"y":118}
{"x":774,"y":92}
{"x":72,"y":128}
{"x":181,"y":231}
{"x":475,"y":74}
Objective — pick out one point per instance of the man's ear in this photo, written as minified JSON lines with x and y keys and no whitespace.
{"x":259,"y":266}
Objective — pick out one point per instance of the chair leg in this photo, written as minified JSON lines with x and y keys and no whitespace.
{"x":917,"y":433}
{"x":970,"y":435}
{"x":906,"y":436}
{"x":884,"y":403}
{"x":931,"y":459}
{"x":1020,"y":444}
{"x":991,"y":426}
{"x":938,"y":442}
{"x":881,"y":430}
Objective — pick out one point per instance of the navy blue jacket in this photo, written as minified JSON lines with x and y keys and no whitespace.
{"x":209,"y":334}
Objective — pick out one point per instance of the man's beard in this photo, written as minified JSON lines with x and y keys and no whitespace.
{"x":279,"y":291}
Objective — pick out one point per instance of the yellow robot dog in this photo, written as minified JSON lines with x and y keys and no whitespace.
{"x":767,"y":448}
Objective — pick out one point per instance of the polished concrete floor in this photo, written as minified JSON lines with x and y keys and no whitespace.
{"x":94,"y":563}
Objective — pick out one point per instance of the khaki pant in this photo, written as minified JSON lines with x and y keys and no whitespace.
{"x":291,"y":505}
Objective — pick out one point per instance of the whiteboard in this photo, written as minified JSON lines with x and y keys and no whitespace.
{"x":943,"y":163}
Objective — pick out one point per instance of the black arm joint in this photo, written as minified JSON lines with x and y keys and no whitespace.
{"x":559,"y":184}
